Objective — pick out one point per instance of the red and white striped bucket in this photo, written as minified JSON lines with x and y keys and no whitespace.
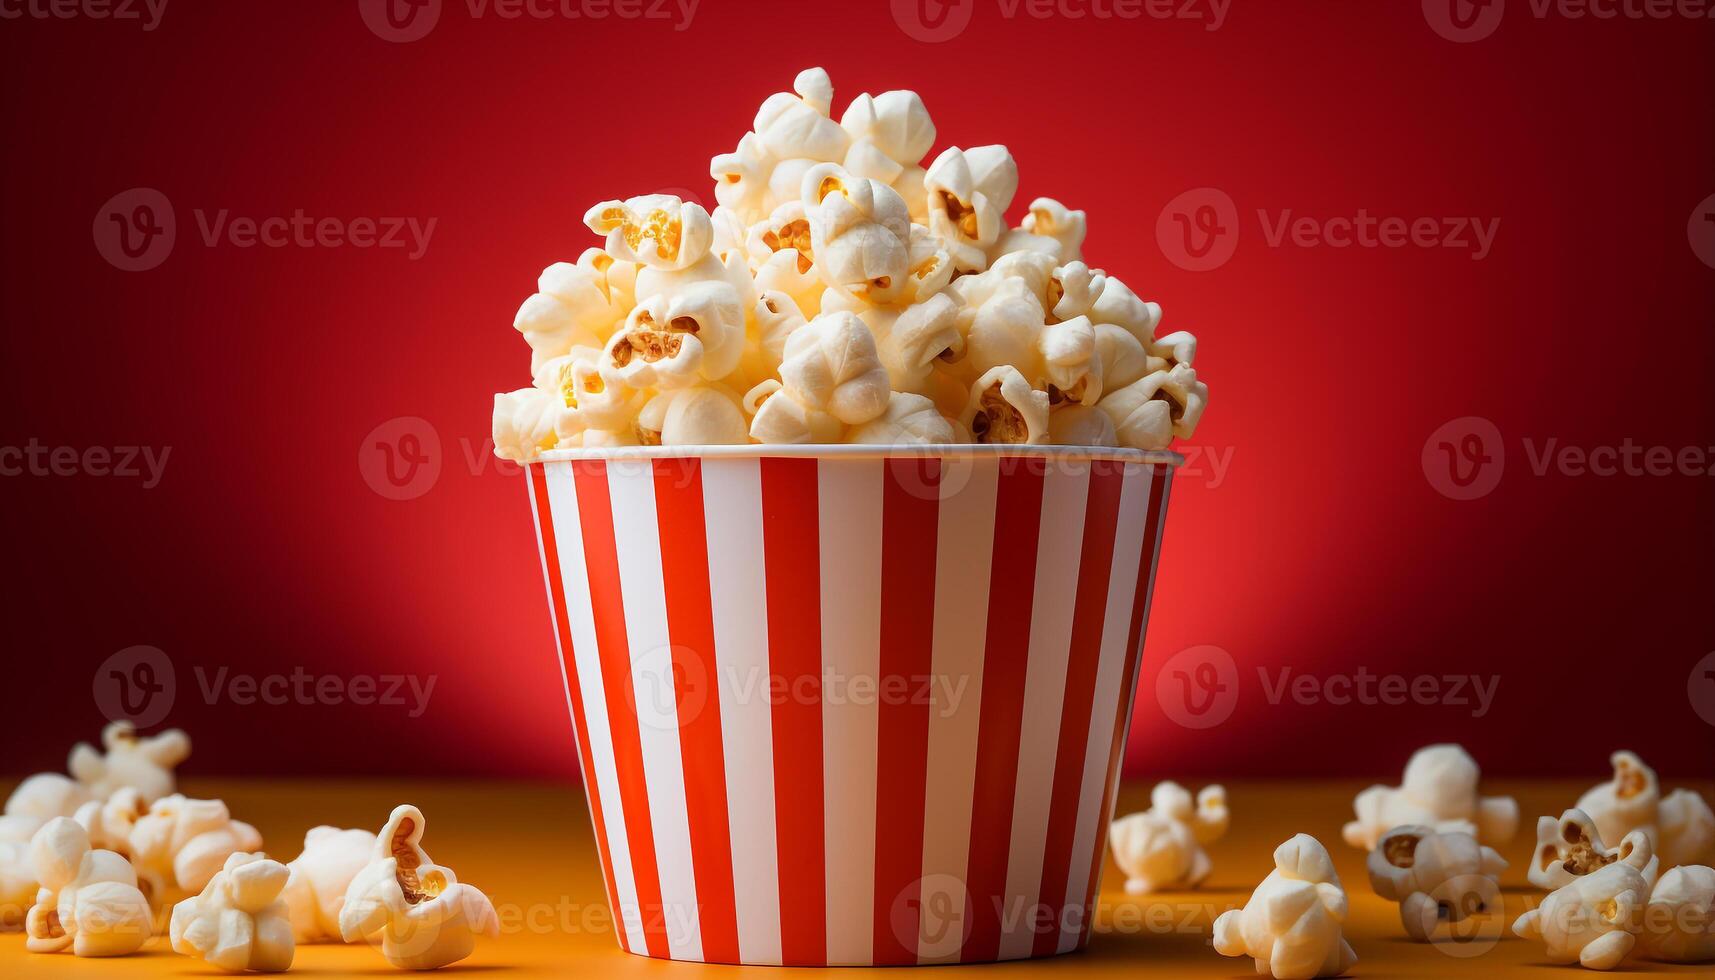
{"x":849,"y":706}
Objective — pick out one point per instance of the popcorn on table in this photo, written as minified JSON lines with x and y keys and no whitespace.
{"x":743,"y":325}
{"x":418,"y":912}
{"x":1439,"y":791}
{"x":89,"y":901}
{"x":1594,"y":920}
{"x":1292,"y":924}
{"x":1436,"y":877}
{"x":181,"y":843}
{"x":1680,"y":825}
{"x":1162,"y":847}
{"x":238,"y":922}
{"x":1571,"y":847}
{"x":1679,"y":926}
{"x":315,"y":892}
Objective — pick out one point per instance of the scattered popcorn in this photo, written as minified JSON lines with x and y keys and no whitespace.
{"x":826,"y":230}
{"x":89,"y":901}
{"x":1162,"y":847}
{"x":37,"y":800}
{"x":1571,"y":847}
{"x":238,"y":922}
{"x":1595,"y":919}
{"x":420,"y":914}
{"x":1436,"y":877}
{"x":144,"y":764}
{"x":315,"y":892}
{"x":1439,"y":791}
{"x":181,"y":843}
{"x":1291,"y":926}
{"x":1680,"y":826}
{"x":1679,"y":926}
{"x":109,"y":824}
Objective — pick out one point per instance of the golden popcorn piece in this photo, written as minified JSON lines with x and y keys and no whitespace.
{"x":860,"y":233}
{"x":1680,"y":825}
{"x":968,"y":194}
{"x":1595,"y":919}
{"x":1292,"y":925}
{"x":417,"y":912}
{"x":1005,"y":409}
{"x":1435,"y":877}
{"x":239,"y":922}
{"x":656,"y":230}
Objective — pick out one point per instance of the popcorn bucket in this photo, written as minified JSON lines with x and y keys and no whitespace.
{"x":848,"y":705}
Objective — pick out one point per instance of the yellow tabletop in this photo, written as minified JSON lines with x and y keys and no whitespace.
{"x":529,"y":847}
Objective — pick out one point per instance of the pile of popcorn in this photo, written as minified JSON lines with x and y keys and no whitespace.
{"x":1432,"y":848}
{"x":93,"y":863}
{"x":840,"y":292}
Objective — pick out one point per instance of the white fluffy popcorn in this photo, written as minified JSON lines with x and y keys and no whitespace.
{"x":109,"y":824}
{"x":89,"y":901}
{"x":181,"y":843}
{"x":826,"y":214}
{"x":832,"y":365}
{"x":1680,"y":825}
{"x":419,"y":914}
{"x":318,"y":879}
{"x":1292,"y":925}
{"x":1439,"y":791}
{"x":1595,"y":919}
{"x":142,"y":763}
{"x":1572,"y":847}
{"x":17,"y":884}
{"x":1435,"y":877}
{"x":1162,"y":847}
{"x":910,"y":420}
{"x":1679,"y":925}
{"x":238,"y":923}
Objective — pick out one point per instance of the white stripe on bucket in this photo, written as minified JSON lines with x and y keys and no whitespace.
{"x":1116,"y":630}
{"x":1060,"y":541}
{"x":631,"y":486}
{"x":849,"y":496}
{"x":732,"y":508}
{"x":964,"y":542}
{"x":568,"y":533}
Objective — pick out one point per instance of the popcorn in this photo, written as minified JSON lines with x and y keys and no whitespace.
{"x":109,"y":824}
{"x":969,"y":192}
{"x":1439,"y":791}
{"x":39,"y":799}
{"x":1435,"y":877}
{"x":238,"y":923}
{"x":910,"y":420}
{"x":17,"y":884}
{"x":89,"y":902}
{"x":318,"y":879}
{"x":1162,"y":847}
{"x":1571,"y":847}
{"x":422,"y":917}
{"x":1595,"y":919}
{"x":832,"y":365}
{"x":1291,"y":926}
{"x":1680,"y":921}
{"x":819,"y":219}
{"x":701,"y":416}
{"x":181,"y":843}
{"x":1004,"y":408}
{"x":1680,"y":826}
{"x":146,"y":764}
{"x":575,"y":305}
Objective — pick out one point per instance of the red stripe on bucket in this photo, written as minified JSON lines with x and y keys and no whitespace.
{"x":792,"y":553}
{"x":910,"y":522}
{"x":1128,"y":685}
{"x":1006,"y":656}
{"x":568,"y":665}
{"x":1101,"y":515}
{"x":607,"y":603}
{"x":691,"y":625}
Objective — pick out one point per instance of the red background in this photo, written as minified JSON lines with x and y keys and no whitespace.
{"x":1325,"y":548}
